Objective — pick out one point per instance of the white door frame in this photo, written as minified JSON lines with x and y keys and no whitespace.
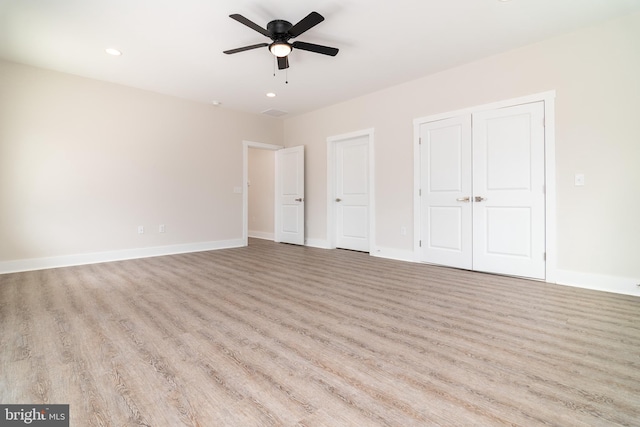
{"x":549,"y":163}
{"x":331,"y":169}
{"x":245,"y":182}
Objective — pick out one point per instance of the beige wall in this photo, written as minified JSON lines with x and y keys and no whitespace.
{"x":595,"y":75}
{"x":261,"y":199}
{"x":83,"y":163}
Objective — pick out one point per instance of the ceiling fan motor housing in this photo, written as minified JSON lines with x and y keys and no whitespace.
{"x":279,"y":30}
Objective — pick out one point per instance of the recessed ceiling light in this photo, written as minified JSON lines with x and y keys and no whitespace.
{"x":216,"y":103}
{"x":112,"y":51}
{"x":271,"y":95}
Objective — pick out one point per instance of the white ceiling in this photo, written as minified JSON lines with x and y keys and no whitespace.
{"x":175,"y":47}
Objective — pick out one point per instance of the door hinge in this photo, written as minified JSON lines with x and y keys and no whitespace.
{"x":420,"y":243}
{"x":544,"y":189}
{"x":544,"y":256}
{"x":420,"y":192}
{"x":420,"y":141}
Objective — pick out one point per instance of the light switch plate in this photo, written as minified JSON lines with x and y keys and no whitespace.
{"x":579,"y":179}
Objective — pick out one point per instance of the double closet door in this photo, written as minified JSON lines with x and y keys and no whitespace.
{"x":482,"y":202}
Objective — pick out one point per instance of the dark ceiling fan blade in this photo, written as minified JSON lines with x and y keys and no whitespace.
{"x":325,"y":50}
{"x":242,"y":49}
{"x":283,"y":63}
{"x":308,"y":22}
{"x":241,"y":19}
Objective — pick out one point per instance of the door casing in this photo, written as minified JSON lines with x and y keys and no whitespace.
{"x":246,"y":145}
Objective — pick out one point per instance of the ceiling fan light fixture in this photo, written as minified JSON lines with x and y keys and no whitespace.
{"x":280,"y":49}
{"x":280,"y":31}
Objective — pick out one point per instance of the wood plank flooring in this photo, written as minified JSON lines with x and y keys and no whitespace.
{"x":279,"y":335}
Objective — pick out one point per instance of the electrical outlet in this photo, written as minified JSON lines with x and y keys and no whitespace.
{"x":140,"y":229}
{"x":161,"y":228}
{"x":403,"y":231}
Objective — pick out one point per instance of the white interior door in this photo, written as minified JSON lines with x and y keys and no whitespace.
{"x":352,"y":193}
{"x":509,"y":196}
{"x":445,"y":151}
{"x":289,"y":215}
{"x":496,"y":159}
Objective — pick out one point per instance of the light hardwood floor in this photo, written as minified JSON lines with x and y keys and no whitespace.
{"x":273,"y":334}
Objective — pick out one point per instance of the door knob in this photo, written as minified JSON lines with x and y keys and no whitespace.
{"x":479,"y":199}
{"x":299,"y":199}
{"x":464,"y":199}
{"x":338,"y":200}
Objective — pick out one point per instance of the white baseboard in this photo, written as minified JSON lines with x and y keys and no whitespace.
{"x":598,"y":282}
{"x":99,"y":257}
{"x":261,"y":235}
{"x":397,"y":254}
{"x":616,"y":284}
{"x":317,"y":243}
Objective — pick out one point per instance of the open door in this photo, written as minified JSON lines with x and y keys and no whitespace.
{"x":289,"y":215}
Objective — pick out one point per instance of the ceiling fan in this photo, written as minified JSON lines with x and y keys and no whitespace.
{"x":280,"y":32}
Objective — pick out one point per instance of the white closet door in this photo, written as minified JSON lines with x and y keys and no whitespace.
{"x":445,"y":151}
{"x":508,"y":189}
